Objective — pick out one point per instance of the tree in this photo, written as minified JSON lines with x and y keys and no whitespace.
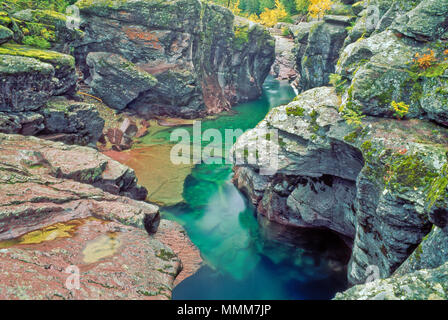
{"x":252,"y":7}
{"x":302,"y":6}
{"x":235,"y":7}
{"x":270,"y":17}
{"x":269,"y":4}
{"x":318,"y":8}
{"x":290,"y":6}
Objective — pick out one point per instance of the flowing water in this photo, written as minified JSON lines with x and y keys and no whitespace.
{"x":245,"y":257}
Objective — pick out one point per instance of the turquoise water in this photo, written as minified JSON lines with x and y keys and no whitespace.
{"x":242,"y":260}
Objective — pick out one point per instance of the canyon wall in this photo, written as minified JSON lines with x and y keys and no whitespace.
{"x":350,"y":163}
{"x":183,"y":58}
{"x":67,"y":210}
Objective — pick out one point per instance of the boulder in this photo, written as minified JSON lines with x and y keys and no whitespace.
{"x":376,"y":17}
{"x":382,"y":69}
{"x":81,"y":121}
{"x":26,"y":123}
{"x":119,"y":140}
{"x":115,"y":80}
{"x":426,"y":22}
{"x":65,"y":75}
{"x":26,"y":83}
{"x":82,"y":164}
{"x":204,"y":59}
{"x":368,"y":183}
{"x":5,"y":34}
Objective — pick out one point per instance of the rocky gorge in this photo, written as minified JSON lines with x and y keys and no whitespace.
{"x":69,"y":209}
{"x":183,"y":58}
{"x":363,"y":147}
{"x":349,"y":162}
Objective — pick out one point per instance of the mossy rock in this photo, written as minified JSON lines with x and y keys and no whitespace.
{"x":116,"y":80}
{"x":402,"y":157}
{"x":5,"y":34}
{"x":427,"y":284}
{"x":27,"y":83}
{"x":57,"y":59}
{"x":41,"y":28}
{"x":14,"y":65}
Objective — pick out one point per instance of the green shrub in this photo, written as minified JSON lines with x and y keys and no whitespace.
{"x":36,"y":41}
{"x":337,"y":82}
{"x":285,"y":32}
{"x":56,"y":5}
{"x":302,"y":6}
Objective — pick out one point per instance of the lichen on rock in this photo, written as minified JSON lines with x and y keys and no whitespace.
{"x":189,"y":46}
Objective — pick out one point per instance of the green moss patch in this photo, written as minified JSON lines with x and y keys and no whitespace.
{"x":53,"y":57}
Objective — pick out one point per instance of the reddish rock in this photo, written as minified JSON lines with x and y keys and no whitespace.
{"x":144,"y":123}
{"x":143,"y":131}
{"x":119,"y":139}
{"x":48,"y":193}
{"x":81,"y":164}
{"x":114,"y":261}
{"x":129,"y":127}
{"x":284,"y":65}
{"x":174,"y":236}
{"x":114,"y":136}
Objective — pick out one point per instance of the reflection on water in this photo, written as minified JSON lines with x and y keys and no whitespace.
{"x":244,"y":116}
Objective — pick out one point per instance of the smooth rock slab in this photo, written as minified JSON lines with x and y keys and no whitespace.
{"x":114,"y":262}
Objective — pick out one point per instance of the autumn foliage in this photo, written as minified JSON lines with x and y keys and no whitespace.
{"x":426,"y":60}
{"x":270,"y":17}
{"x":318,"y":8}
{"x":273,"y":11}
